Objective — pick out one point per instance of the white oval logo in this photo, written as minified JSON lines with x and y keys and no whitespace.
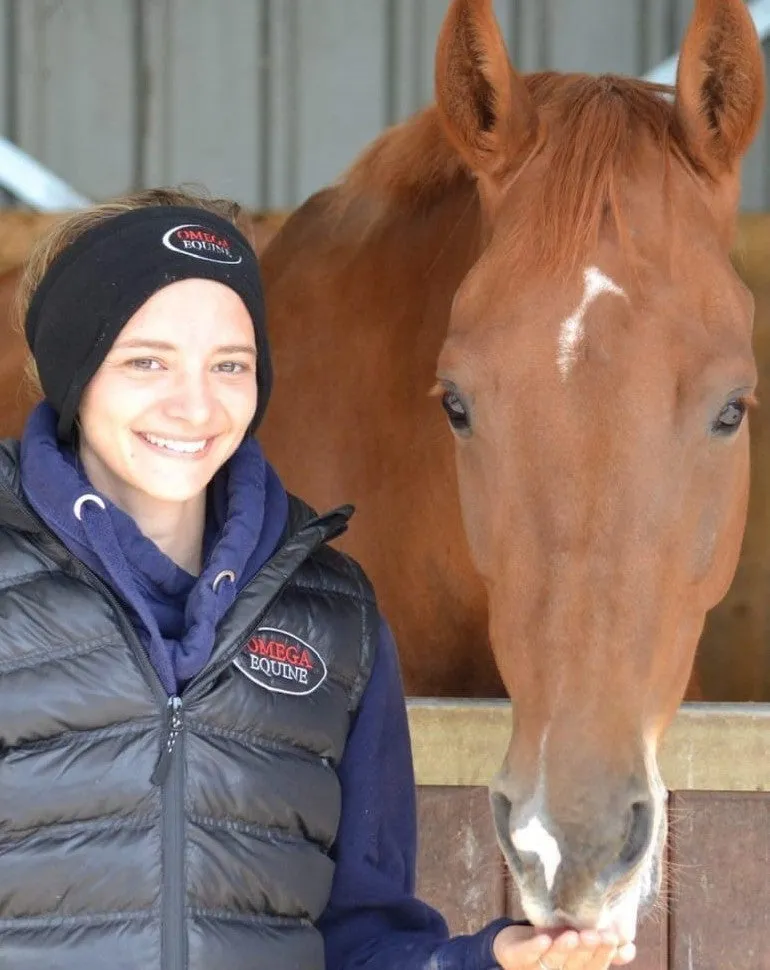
{"x":281,"y":662}
{"x":197,"y":241}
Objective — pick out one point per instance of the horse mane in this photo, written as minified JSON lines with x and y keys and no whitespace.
{"x":409,"y":168}
{"x":604,"y":125}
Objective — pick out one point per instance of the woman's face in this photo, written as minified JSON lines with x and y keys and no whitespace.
{"x":174,"y":397}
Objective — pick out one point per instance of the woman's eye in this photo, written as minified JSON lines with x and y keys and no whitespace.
{"x":456,"y":411}
{"x":730,"y":417}
{"x":232,"y":367}
{"x":144,"y":363}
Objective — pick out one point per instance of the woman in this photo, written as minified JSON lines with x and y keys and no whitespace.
{"x":204,"y":758}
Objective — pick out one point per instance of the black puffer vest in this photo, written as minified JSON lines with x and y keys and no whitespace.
{"x":142,"y":834}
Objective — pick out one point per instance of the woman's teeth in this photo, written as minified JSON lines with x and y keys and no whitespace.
{"x":182,"y":447}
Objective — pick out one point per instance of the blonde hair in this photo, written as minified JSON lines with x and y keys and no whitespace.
{"x":72,"y":227}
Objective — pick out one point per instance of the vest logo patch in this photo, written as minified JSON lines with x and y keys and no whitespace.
{"x":281,"y":662}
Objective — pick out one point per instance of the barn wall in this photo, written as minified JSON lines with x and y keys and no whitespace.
{"x":268,"y":100}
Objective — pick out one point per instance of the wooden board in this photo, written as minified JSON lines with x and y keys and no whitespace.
{"x":708,"y":747}
{"x":720,"y":906}
{"x":460,"y":868}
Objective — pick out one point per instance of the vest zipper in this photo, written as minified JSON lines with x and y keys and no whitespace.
{"x":171,"y":769}
{"x":174,"y":726}
{"x":168,"y":776}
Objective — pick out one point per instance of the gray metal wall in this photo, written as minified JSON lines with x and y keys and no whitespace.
{"x":267,"y":100}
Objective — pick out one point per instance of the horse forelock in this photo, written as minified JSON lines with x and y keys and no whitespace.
{"x":603,"y":130}
{"x":595,"y":129}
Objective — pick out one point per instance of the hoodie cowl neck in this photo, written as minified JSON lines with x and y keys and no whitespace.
{"x":174,"y":612}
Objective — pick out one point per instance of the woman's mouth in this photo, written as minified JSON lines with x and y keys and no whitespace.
{"x":177,"y":447}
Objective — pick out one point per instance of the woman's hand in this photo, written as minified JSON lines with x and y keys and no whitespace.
{"x":523,"y":948}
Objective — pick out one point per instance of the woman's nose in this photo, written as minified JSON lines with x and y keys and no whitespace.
{"x":193,"y":399}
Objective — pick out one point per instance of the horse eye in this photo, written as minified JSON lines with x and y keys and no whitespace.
{"x":456,"y":412}
{"x":730,"y":417}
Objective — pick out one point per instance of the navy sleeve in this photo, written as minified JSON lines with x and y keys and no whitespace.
{"x":373,"y":920}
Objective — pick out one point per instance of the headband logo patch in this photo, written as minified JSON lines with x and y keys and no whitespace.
{"x":199,"y":242}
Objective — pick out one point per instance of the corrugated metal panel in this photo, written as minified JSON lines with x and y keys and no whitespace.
{"x":527,"y":34}
{"x":6,"y":76}
{"x":6,"y":52}
{"x":593,"y":35}
{"x":339,"y":74}
{"x":681,"y":10}
{"x":203,"y":85}
{"x":75,"y":90}
{"x":267,"y":100}
{"x":280,"y":138}
{"x":756,"y":169}
{"x":410,"y":79}
{"x":656,"y":38}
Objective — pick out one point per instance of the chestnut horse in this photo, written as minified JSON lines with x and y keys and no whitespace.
{"x":552,"y":253}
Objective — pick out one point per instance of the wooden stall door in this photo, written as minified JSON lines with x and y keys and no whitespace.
{"x":720,"y":905}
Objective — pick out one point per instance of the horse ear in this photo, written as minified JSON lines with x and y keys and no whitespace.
{"x":483,"y":102}
{"x":720,"y":86}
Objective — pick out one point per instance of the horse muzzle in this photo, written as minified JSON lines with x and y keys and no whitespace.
{"x":586,"y":869}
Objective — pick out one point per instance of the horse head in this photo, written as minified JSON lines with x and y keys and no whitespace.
{"x":596,"y":374}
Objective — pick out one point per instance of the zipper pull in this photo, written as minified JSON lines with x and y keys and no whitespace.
{"x":174,"y":729}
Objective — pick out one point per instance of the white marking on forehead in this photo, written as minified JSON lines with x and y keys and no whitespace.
{"x":572,"y":330}
{"x":534,"y":837}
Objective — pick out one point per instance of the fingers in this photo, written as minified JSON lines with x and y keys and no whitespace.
{"x":515,"y":948}
{"x":563,"y":951}
{"x":599,"y":953}
{"x":626,"y":953}
{"x":589,"y":950}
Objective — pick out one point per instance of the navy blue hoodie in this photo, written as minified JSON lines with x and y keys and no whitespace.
{"x":373,"y":920}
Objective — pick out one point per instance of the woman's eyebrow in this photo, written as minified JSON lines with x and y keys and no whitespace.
{"x":144,"y":342}
{"x":237,"y":349}
{"x":149,"y":344}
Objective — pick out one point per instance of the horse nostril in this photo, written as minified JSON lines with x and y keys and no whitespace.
{"x":638,"y":834}
{"x":501,"y":813}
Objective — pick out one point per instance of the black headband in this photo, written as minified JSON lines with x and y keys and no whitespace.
{"x":94,"y":287}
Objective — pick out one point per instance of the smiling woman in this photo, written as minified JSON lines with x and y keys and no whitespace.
{"x":167,"y":409}
{"x":202,"y":724}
